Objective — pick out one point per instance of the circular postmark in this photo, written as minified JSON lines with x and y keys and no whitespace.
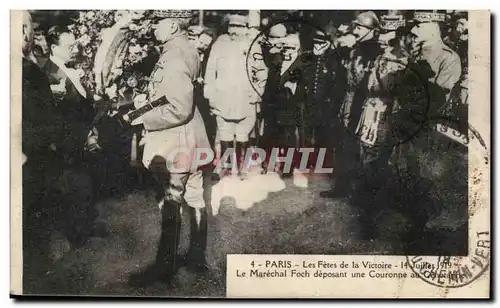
{"x":459,"y":271}
{"x":459,"y":141}
{"x":405,"y":96}
{"x":454,"y":271}
{"x":280,"y":51}
{"x":394,"y":105}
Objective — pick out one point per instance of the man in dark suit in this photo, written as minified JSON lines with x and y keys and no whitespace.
{"x":76,"y":184}
{"x":40,"y":141}
{"x":321,"y":90}
{"x":70,"y":95}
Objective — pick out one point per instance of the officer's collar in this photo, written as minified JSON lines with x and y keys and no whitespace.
{"x":432,"y":46}
{"x":174,"y":38}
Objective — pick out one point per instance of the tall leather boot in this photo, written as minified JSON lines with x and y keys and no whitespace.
{"x":241,"y":149}
{"x":195,"y":257}
{"x":166,"y":256}
{"x":166,"y":263}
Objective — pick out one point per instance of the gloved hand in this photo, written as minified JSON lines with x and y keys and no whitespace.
{"x":139,"y":101}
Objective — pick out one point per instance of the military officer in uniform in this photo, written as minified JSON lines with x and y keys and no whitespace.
{"x":176,"y":124}
{"x":358,"y":60}
{"x":440,"y":68}
{"x":428,"y":46}
{"x":229,"y":91}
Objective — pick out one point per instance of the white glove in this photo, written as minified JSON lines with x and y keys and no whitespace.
{"x":139,"y":101}
{"x":137,"y":121}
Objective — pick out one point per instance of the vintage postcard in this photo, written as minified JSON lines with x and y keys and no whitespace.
{"x":251,"y":153}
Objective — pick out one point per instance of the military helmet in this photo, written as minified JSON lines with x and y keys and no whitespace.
{"x":367,"y":19}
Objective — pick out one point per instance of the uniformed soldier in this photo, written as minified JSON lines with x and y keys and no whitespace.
{"x":175,"y":125}
{"x":428,"y":46}
{"x":358,"y":60}
{"x":439,"y":68}
{"x":229,"y":90}
{"x":374,"y":128}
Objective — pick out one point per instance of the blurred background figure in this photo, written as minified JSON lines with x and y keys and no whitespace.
{"x":229,"y":91}
{"x":274,"y":94}
{"x":202,"y":38}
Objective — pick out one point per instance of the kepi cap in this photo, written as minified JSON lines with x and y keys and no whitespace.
{"x":391,"y":22}
{"x":163,"y":14}
{"x":423,"y":16}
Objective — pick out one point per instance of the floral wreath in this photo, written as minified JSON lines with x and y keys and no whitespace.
{"x":130,"y":71}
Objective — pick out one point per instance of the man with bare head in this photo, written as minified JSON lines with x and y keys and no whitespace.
{"x":40,"y":142}
{"x":27,"y":33}
{"x":37,"y":98}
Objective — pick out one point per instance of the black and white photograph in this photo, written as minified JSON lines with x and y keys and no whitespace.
{"x":157,"y":142}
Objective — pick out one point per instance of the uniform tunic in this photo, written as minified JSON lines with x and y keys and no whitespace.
{"x":175,"y":130}
{"x":227,"y":85}
{"x":229,"y":90}
{"x":440,"y":67}
{"x":445,"y":64}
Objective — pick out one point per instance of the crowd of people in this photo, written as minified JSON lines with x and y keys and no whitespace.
{"x":367,"y":91}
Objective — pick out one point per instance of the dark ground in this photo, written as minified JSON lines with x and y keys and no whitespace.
{"x":291,"y":221}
